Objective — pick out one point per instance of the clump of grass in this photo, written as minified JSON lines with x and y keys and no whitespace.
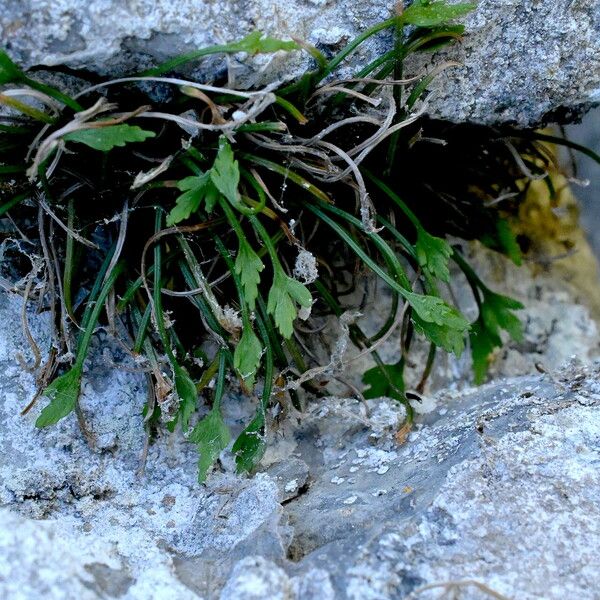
{"x":177,"y":223}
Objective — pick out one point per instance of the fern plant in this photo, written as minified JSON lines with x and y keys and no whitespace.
{"x":179,"y":222}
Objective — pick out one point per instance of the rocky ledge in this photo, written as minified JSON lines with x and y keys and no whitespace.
{"x":522,"y":62}
{"x":495,"y":493}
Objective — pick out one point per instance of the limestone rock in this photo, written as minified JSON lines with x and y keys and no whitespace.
{"x":84,"y":523}
{"x":523,"y":62}
{"x":255,"y":579}
{"x":496,"y":487}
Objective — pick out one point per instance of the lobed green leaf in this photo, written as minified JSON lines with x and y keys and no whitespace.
{"x":495,"y":314}
{"x":248,"y":266}
{"x":433,"y":254}
{"x":380,"y":382}
{"x":212,"y":436}
{"x":250,"y":445}
{"x":451,"y":340}
{"x":187,"y":394}
{"x":483,"y":342}
{"x":285,"y":293}
{"x":427,"y":13}
{"x":108,"y":137}
{"x":508,"y":241}
{"x":432,"y":309}
{"x":225,"y":172}
{"x":196,"y":190}
{"x":63,"y":394}
{"x":246,"y":357}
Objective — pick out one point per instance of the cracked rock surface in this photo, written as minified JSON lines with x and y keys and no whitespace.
{"x":523,"y":62}
{"x":495,"y":488}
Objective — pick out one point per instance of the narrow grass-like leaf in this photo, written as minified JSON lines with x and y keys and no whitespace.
{"x":310,"y":80}
{"x":287,"y":173}
{"x":9,"y":72}
{"x":253,"y":43}
{"x":12,"y":169}
{"x":259,"y":43}
{"x":26,"y":109}
{"x":184,"y":385}
{"x":559,"y":141}
{"x":4,"y":208}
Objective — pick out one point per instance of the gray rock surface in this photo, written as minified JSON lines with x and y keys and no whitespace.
{"x":501,"y":490}
{"x":559,"y":319}
{"x":522,"y":61}
{"x":498,"y":485}
{"x":102,"y":524}
{"x":588,"y":173}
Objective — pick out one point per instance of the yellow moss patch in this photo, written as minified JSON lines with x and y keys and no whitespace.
{"x":557,"y":243}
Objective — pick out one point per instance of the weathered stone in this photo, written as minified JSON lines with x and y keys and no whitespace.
{"x":291,"y":477}
{"x":523,"y":62}
{"x":106,"y":529}
{"x":498,"y":485}
{"x":587,"y":172}
{"x":256,"y":578}
{"x":39,"y":561}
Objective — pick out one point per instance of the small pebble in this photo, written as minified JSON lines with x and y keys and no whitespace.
{"x":291,"y":486}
